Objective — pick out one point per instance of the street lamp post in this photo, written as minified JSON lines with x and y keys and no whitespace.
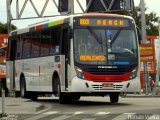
{"x":143,"y":25}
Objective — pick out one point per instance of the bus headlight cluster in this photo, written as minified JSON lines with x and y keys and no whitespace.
{"x":79,"y":73}
{"x":133,"y":74}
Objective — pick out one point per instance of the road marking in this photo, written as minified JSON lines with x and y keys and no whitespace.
{"x":78,"y":112}
{"x":38,"y":116}
{"x":51,"y":112}
{"x":62,"y":117}
{"x":121,"y":117}
{"x":89,"y":119}
{"x":102,"y":113}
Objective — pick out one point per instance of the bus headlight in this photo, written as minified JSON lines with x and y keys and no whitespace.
{"x":79,"y":73}
{"x":133,"y":74}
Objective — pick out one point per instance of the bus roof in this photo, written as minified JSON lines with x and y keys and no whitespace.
{"x":37,"y":26}
{"x":53,"y":21}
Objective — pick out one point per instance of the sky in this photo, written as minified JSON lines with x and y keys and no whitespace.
{"x":152,"y":5}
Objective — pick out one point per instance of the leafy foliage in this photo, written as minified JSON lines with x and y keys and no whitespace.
{"x":151,"y":20}
{"x":3,"y":28}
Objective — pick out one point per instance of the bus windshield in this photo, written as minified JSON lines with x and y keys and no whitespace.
{"x":105,"y":46}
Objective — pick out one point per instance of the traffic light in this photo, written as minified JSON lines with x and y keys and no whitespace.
{"x":97,"y":5}
{"x":63,"y":5}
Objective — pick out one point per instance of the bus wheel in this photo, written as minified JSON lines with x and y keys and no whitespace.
{"x":23,"y":88}
{"x":114,"y":97}
{"x":33,"y":96}
{"x":62,"y":96}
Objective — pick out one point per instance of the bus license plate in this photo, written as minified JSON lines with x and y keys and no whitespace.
{"x":107,"y":85}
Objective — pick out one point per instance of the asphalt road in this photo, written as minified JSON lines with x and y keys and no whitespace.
{"x":98,"y":108}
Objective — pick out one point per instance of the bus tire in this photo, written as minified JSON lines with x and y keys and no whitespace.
{"x":63,"y":98}
{"x":61,"y":95}
{"x":55,"y":83}
{"x":23,"y":92}
{"x":17,"y":94}
{"x":114,"y":97}
{"x":33,"y":96}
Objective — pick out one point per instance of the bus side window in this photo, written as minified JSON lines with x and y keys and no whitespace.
{"x":35,"y":38}
{"x":8,"y":49}
{"x":45,"y":42}
{"x":55,"y":40}
{"x":19,"y":48}
{"x":26,"y":46}
{"x":65,"y":42}
{"x":12,"y":48}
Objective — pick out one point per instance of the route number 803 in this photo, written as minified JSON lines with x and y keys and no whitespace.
{"x":84,"y":21}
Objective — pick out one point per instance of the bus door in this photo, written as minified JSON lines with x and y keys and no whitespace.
{"x":65,"y":44}
{"x":10,"y":63}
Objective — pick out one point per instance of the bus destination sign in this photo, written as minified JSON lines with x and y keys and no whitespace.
{"x":103,"y":22}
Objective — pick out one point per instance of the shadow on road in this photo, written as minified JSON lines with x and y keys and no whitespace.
{"x":84,"y":103}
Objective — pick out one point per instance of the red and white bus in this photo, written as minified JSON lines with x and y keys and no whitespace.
{"x":74,"y":56}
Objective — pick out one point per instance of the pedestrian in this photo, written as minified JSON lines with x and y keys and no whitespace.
{"x":151,"y":83}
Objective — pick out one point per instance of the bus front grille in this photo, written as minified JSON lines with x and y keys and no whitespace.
{"x":100,"y":88}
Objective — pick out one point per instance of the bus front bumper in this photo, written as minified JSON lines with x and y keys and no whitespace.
{"x":80,"y":85}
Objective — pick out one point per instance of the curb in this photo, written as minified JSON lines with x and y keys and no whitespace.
{"x":39,"y":108}
{"x":22,"y":106}
{"x":140,"y":96}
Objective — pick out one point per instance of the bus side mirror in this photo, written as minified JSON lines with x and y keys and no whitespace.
{"x":139,"y":35}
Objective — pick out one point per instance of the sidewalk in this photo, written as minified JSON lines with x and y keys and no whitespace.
{"x":143,"y":95}
{"x":20,"y":106}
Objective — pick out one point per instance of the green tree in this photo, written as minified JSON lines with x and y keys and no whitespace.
{"x":151,"y":21}
{"x":3,"y":28}
{"x":152,"y":24}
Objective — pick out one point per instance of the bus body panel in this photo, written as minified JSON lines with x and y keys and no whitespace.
{"x":80,"y":85}
{"x":73,"y":73}
{"x":38,"y":73}
{"x":18,"y":72}
{"x":10,"y":75}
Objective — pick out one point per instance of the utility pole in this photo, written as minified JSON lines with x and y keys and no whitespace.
{"x":71,"y":6}
{"x":8,"y":2}
{"x":144,"y":40}
{"x":3,"y":101}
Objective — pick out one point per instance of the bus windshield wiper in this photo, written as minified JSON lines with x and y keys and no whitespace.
{"x":101,"y":42}
{"x":94,"y":35}
{"x":115,"y":37}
